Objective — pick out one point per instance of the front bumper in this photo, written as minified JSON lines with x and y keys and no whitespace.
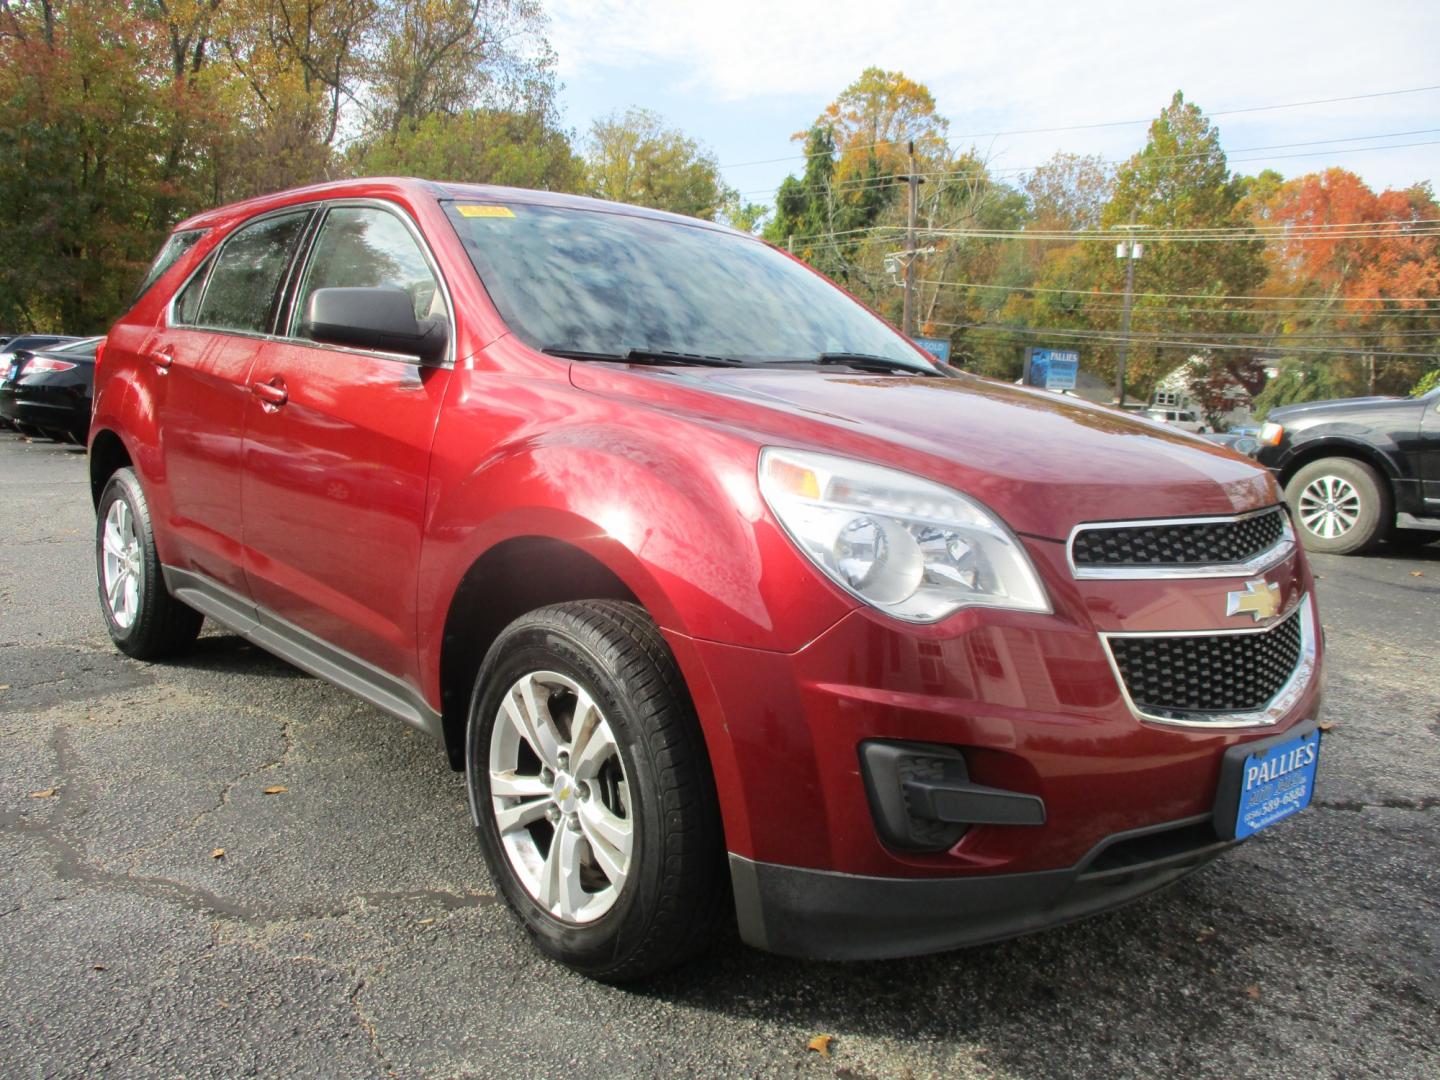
{"x":1031,"y":704}
{"x":829,"y":916}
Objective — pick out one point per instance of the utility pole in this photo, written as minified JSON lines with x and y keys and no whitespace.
{"x":908,"y":318}
{"x":1128,"y":250}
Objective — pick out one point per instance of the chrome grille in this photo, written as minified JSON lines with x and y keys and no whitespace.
{"x":1203,"y":542}
{"x":1223,"y":674}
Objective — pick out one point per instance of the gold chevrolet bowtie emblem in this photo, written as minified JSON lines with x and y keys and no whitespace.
{"x":1259,"y":598}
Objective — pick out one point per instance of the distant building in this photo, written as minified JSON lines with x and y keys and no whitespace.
{"x":1179,"y":390}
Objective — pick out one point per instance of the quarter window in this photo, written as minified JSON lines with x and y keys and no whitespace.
{"x":247,"y":274}
{"x":361,"y":246}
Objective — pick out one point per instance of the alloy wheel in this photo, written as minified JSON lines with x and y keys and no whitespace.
{"x":121,"y":564}
{"x":560,"y":797}
{"x":1329,"y":506}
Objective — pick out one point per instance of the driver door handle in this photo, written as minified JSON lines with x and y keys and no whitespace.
{"x":162,"y":359}
{"x":272,"y":394}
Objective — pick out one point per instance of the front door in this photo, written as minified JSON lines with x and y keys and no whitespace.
{"x":337,"y":454}
{"x":1430,"y":456}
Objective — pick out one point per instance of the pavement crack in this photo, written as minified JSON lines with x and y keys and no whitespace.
{"x":368,"y":1026}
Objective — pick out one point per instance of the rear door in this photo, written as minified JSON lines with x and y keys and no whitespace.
{"x":202,"y":358}
{"x":337,"y":451}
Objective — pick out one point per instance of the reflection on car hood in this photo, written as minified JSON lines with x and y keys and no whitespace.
{"x":1043,"y":461}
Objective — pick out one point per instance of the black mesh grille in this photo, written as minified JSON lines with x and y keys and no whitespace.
{"x":1219,"y":673}
{"x":1178,"y":544}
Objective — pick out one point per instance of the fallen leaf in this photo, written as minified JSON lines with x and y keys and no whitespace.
{"x":218,"y":853}
{"x":276,"y":789}
{"x":1327,"y":725}
{"x":426,"y":922}
{"x":1253,"y":991}
{"x":820,"y":1044}
{"x":1205,"y":935}
{"x":47,"y":793}
{"x":1417,"y":573}
{"x":4,"y":686}
{"x":97,"y":967}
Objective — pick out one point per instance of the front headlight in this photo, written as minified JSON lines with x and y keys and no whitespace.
{"x":911,"y":548}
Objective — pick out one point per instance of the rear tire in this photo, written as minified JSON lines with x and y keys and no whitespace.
{"x":144,"y":620}
{"x":1340,"y":506}
{"x":641,"y":808}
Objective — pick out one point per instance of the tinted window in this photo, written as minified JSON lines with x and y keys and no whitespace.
{"x":247,"y":273}
{"x":363,"y":246}
{"x":178,"y":244}
{"x":607,"y":282}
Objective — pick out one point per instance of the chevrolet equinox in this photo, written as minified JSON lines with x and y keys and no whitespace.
{"x":722,"y":594}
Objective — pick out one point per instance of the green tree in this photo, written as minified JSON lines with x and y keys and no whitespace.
{"x":481,"y":146}
{"x":1179,"y":182}
{"x":634,"y":157}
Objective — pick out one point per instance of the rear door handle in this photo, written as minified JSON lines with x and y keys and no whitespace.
{"x":162,"y":359}
{"x":272,"y":394}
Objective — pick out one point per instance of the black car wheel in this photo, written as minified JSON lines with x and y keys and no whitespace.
{"x":144,"y":620}
{"x":1340,"y":506}
{"x":592,"y":792}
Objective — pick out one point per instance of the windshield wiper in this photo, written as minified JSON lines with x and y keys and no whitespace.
{"x":871,"y":362}
{"x":647,"y":356}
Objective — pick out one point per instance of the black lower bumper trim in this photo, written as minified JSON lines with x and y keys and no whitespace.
{"x":831,"y":916}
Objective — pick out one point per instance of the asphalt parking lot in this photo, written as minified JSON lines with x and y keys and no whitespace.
{"x":350,"y":929}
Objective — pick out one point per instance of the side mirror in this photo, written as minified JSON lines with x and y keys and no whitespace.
{"x":379,"y":317}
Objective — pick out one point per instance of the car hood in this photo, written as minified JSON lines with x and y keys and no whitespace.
{"x":1042,"y":461}
{"x":1315,"y":408}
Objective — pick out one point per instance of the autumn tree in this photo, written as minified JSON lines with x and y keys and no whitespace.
{"x":634,"y":157}
{"x":873,"y":121}
{"x":1365,"y":268}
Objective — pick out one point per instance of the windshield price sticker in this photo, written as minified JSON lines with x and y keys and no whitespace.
{"x":481,"y":210}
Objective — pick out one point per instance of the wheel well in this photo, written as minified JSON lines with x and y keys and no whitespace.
{"x":509,"y":580}
{"x":1343,"y":450}
{"x":107,"y":455}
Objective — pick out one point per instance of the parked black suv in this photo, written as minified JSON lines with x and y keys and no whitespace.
{"x":1358,"y":471}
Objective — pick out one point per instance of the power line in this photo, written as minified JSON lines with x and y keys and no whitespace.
{"x":1300,"y":230}
{"x":1101,"y":124}
{"x":1175,"y":296}
{"x":862,"y":183}
{"x":1309,"y":313}
{"x":1111,"y":337}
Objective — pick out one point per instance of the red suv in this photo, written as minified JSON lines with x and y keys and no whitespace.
{"x":723,"y":595}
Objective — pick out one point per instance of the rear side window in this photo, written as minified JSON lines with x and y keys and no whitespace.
{"x":245,"y":279}
{"x":361,"y":246}
{"x":175,"y":247}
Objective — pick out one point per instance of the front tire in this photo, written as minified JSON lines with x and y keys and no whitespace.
{"x":592,"y":792}
{"x":144,"y":620}
{"x":1340,"y":506}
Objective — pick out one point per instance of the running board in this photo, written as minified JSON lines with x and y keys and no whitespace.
{"x":1410,"y":521}
{"x":270,"y":632}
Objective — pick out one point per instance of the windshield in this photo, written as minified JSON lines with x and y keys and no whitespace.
{"x":589,"y":281}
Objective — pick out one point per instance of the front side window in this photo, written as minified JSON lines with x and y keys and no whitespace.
{"x":365,"y":247}
{"x":175,"y":247}
{"x":245,"y":279}
{"x":593,"y":281}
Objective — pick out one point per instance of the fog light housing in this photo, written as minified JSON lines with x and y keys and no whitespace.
{"x":922,"y":799}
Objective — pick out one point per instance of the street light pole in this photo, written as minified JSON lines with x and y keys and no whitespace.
{"x":907,"y":319}
{"x":1129,"y":250}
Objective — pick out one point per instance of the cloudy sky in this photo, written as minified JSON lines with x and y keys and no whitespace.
{"x":743,"y":76}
